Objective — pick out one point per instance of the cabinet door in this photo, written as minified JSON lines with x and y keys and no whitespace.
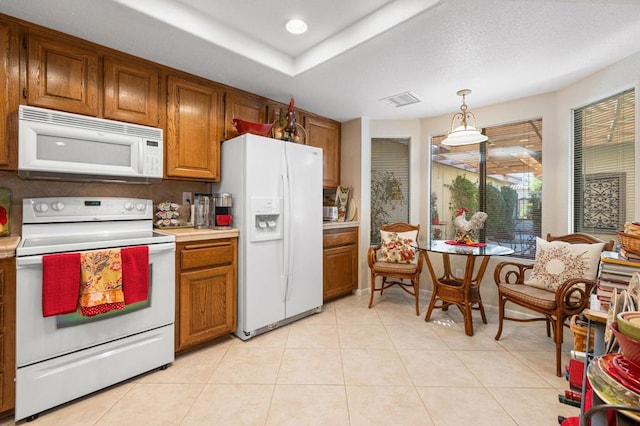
{"x":9,"y":93}
{"x":62,"y":76}
{"x":7,"y":333}
{"x":340,"y":262}
{"x":340,"y":275}
{"x":242,"y":106}
{"x":193,"y":136}
{"x":131,"y":91}
{"x":207,"y":305}
{"x":325,"y":134}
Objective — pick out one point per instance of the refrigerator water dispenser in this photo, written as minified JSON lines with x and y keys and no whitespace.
{"x":266,"y":219}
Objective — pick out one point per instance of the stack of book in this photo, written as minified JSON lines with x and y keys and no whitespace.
{"x":616,"y":270}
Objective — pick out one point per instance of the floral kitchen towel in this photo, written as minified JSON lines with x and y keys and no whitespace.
{"x":101,"y":282}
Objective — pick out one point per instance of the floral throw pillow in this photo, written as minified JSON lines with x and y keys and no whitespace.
{"x":398,"y":247}
{"x":557,"y":261}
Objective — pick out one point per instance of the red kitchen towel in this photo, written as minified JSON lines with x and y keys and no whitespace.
{"x":135,"y":274}
{"x":60,"y":283}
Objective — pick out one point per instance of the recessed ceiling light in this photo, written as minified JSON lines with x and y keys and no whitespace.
{"x":296,"y":26}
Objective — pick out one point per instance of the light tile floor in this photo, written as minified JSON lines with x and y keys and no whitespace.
{"x":348,"y":365}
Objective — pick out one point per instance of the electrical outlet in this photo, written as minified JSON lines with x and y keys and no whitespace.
{"x":459,"y":272}
{"x":187,"y":198}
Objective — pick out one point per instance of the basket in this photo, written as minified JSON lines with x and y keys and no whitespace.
{"x":580,"y":336}
{"x":259,"y":129}
{"x":629,"y":242}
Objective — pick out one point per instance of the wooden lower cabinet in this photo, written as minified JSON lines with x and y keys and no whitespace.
{"x":7,"y":334}
{"x":206,"y":290}
{"x":340,"y":262}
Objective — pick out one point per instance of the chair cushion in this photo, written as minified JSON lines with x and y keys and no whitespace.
{"x":394,"y":268}
{"x":398,"y":247}
{"x":531,"y":295}
{"x":557,"y":261}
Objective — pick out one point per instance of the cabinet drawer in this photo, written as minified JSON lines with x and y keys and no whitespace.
{"x":340,"y":237}
{"x":208,"y":254}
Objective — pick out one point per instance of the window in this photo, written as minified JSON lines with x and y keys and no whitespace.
{"x":604,"y":165}
{"x":389,"y":183}
{"x":501,"y":177}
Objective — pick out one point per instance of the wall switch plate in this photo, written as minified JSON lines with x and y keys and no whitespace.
{"x":187,"y":198}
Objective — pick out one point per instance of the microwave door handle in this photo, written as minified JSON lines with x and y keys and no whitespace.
{"x":141,"y":157}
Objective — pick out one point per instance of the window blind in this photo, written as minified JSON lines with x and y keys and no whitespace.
{"x":389,"y":183}
{"x":604,"y":164}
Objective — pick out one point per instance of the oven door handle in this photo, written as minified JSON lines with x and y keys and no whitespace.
{"x":25,"y":261}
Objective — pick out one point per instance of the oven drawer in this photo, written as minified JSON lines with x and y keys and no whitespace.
{"x":205,"y":254}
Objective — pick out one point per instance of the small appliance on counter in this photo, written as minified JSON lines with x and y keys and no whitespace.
{"x":202,"y":211}
{"x":329,"y":213}
{"x":222,"y":216}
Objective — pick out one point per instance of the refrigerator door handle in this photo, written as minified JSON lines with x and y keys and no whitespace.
{"x":289,"y":249}
{"x":286,"y":249}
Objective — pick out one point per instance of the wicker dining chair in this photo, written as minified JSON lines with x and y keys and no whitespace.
{"x":569,"y":298}
{"x":393,"y":272}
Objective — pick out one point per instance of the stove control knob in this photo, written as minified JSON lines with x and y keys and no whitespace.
{"x":128,"y":205}
{"x":41,"y":207}
{"x":140,"y":207}
{"x":57,"y":206}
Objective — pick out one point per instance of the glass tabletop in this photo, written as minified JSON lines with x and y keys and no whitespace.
{"x":441,"y":246}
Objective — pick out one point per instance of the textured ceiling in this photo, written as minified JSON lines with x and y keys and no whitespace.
{"x":359,"y":51}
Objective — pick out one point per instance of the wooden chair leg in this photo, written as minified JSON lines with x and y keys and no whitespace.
{"x":373,"y":289}
{"x":558,"y":338}
{"x":416,"y":293}
{"x":432,"y":303}
{"x":501,"y":303}
{"x":482,"y":314}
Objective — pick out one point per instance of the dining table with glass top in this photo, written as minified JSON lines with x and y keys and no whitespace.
{"x":462,"y":288}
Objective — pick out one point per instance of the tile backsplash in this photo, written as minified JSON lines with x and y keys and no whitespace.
{"x":167,"y":190}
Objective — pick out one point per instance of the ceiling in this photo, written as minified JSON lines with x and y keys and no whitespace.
{"x":357,"y":52}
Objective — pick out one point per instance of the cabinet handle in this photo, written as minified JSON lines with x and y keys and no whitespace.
{"x":207,"y":245}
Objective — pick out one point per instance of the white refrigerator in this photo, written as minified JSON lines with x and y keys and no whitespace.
{"x":277,"y":207}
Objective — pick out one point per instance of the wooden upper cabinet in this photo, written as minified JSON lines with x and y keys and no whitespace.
{"x":131,"y":91}
{"x":61,"y":75}
{"x":243,"y":106}
{"x":194,"y":112}
{"x":9,"y":66}
{"x":325,"y":134}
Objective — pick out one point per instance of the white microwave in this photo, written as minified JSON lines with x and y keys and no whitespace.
{"x":64,"y":146}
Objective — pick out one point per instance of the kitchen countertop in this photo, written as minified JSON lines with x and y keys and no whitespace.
{"x":8,"y":246}
{"x":196,"y":234}
{"x":336,"y":225}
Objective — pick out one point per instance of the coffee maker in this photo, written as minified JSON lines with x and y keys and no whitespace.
{"x":222,"y":214}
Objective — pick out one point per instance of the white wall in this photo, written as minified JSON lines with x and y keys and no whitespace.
{"x":355,"y":170}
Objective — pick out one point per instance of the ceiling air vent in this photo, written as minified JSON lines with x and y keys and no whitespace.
{"x":401,"y":99}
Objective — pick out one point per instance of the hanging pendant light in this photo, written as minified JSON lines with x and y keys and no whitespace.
{"x":465,"y":133}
